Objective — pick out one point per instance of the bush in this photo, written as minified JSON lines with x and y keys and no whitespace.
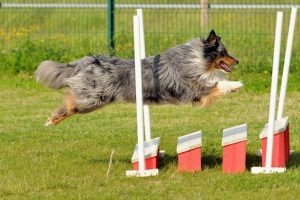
{"x":25,"y":55}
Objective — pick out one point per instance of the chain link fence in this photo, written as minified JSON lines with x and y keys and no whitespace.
{"x":35,"y":30}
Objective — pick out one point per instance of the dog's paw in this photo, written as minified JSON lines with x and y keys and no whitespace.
{"x":229,"y":86}
{"x":236,"y":86}
{"x":49,"y":122}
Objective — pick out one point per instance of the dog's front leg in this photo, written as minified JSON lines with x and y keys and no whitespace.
{"x":222,"y":88}
{"x":229,"y":86}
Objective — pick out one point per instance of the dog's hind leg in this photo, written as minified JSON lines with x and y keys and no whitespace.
{"x":78,"y":106}
{"x":63,"y":113}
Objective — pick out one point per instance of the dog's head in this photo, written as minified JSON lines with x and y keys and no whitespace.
{"x":217,"y":55}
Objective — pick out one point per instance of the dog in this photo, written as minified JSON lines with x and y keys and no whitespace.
{"x":191,"y":72}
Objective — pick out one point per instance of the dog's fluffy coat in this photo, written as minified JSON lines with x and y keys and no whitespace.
{"x":191,"y":72}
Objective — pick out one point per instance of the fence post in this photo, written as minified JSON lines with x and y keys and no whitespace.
{"x":111,"y":26}
{"x":204,"y":13}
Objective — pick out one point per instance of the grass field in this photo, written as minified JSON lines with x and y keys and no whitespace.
{"x":69,"y":161}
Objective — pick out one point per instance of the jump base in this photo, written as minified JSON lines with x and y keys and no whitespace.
{"x":287,"y":143}
{"x":144,"y":173}
{"x":190,"y":161}
{"x":234,"y":143}
{"x":279,"y":150}
{"x":266,"y":170}
{"x":234,"y":158}
{"x":150,"y":163}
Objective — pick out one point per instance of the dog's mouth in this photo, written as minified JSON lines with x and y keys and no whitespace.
{"x":224,"y":66}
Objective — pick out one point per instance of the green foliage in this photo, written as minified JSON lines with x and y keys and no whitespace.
{"x":28,"y":54}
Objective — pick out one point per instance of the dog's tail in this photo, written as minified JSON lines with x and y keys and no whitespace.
{"x":54,"y":74}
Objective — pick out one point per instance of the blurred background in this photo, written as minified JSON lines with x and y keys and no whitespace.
{"x":63,"y":30}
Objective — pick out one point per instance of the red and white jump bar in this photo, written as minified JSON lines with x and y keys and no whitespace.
{"x":189,"y":150}
{"x":234,"y":143}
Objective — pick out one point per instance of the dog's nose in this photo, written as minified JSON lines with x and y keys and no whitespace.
{"x":237,"y":61}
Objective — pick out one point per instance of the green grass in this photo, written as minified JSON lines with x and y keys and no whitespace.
{"x":69,"y":161}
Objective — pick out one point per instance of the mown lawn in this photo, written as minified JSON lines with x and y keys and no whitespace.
{"x":69,"y":161}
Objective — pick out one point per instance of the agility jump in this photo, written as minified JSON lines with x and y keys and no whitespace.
{"x":189,"y":147}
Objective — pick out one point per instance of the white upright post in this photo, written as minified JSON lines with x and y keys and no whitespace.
{"x":143,"y":55}
{"x":147,"y":122}
{"x":268,"y":168}
{"x":272,"y":111}
{"x":287,"y":60}
{"x":141,"y":172}
{"x":139,"y":92}
{"x":142,"y":37}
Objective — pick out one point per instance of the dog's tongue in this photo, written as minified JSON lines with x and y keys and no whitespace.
{"x":225,"y":67}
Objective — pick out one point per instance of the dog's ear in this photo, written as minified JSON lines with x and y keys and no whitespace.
{"x":212,"y":39}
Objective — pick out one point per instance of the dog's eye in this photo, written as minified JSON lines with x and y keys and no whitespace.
{"x":224,"y":53}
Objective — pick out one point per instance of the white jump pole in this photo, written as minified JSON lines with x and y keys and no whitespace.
{"x":287,"y":61}
{"x":141,"y":172}
{"x":142,"y":37}
{"x":147,"y":122}
{"x":268,"y":168}
{"x":139,"y":92}
{"x":143,"y":55}
{"x":272,"y":111}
